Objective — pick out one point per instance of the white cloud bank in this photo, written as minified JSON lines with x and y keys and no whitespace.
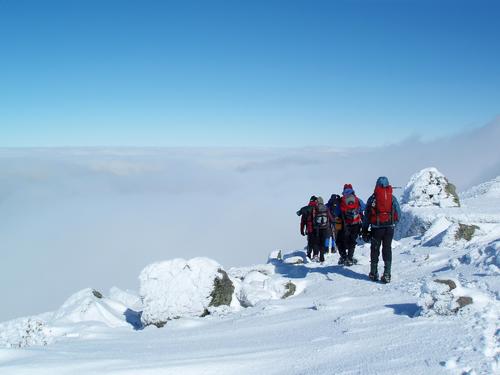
{"x":72,"y":218}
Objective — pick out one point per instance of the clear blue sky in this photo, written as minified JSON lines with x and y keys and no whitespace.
{"x":245,"y":73}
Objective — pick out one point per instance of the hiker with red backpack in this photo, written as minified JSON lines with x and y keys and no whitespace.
{"x":382,"y":213}
{"x":351,"y":211}
{"x":307,"y":214}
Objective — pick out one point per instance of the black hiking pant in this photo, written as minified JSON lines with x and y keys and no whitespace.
{"x":381,"y":236}
{"x":320,"y":238}
{"x":340,"y":241}
{"x":351,"y":234}
{"x":310,"y":244}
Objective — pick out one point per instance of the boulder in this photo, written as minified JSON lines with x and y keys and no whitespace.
{"x":429,"y":187}
{"x":465,"y":232}
{"x":182,"y":288}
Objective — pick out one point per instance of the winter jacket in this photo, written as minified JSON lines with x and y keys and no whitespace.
{"x":362,"y":206}
{"x":383,"y":182}
{"x":306,"y":219}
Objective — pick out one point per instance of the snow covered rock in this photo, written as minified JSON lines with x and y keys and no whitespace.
{"x":425,"y":199}
{"x":429,"y":187}
{"x":257,"y":286}
{"x":89,"y":305}
{"x":437,"y":298}
{"x":24,"y":332}
{"x":183,"y":288}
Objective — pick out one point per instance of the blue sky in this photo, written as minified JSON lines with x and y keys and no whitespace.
{"x":253,"y":73}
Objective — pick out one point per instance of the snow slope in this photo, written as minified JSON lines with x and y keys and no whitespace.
{"x":337,"y":322}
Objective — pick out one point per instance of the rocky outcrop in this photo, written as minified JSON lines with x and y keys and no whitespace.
{"x":183,"y":288}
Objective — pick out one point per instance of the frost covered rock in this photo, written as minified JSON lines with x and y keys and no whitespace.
{"x":437,"y":298}
{"x":425,"y":198}
{"x":88,"y":305}
{"x":182,"y":288}
{"x":429,"y":187}
{"x":257,"y":286}
{"x":24,"y":332}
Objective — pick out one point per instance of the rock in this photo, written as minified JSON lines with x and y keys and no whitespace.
{"x":182,"y":288}
{"x":290,"y":290}
{"x":463,"y":301}
{"x":465,"y":232}
{"x":451,"y":284}
{"x":429,"y":187}
{"x":222,"y":293}
{"x":97,"y":294}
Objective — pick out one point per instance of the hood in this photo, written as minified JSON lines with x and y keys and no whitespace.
{"x":383,"y":181}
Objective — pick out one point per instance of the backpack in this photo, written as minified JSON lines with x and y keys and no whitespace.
{"x":321,"y":220}
{"x":350,"y":207}
{"x":381,"y":209}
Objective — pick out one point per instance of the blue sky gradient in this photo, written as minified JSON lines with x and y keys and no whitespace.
{"x":254,"y":73}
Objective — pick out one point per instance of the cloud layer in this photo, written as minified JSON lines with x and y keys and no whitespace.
{"x":72,"y":218}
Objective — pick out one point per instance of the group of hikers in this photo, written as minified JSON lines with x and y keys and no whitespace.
{"x":340,"y":222}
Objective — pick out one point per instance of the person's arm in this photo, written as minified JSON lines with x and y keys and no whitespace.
{"x":367,"y":212}
{"x":397,"y":208}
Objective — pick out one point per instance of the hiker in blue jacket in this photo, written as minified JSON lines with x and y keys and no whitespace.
{"x":382,"y":213}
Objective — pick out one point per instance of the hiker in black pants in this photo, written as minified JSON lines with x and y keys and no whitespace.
{"x":382,"y":213}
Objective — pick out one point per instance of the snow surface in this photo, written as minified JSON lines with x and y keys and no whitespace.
{"x":337,"y":322}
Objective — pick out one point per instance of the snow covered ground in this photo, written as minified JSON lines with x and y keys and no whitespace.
{"x":337,"y":321}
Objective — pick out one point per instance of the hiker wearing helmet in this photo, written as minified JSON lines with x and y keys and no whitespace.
{"x":382,"y":213}
{"x":351,"y":210}
{"x":307,"y":214}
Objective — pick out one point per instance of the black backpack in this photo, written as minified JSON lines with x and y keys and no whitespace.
{"x":321,"y":220}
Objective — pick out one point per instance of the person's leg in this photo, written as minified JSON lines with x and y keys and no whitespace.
{"x":324,"y":235}
{"x":377,"y":235}
{"x":310,"y":245}
{"x":341,"y":246}
{"x":387,"y":251}
{"x":353,"y":236}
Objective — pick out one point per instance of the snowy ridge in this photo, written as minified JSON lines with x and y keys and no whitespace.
{"x":291,"y":316}
{"x":490,"y":189}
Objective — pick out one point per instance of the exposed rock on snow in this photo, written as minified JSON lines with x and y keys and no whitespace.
{"x":451,"y":284}
{"x":465,"y":232}
{"x":180,"y":288}
{"x":429,"y":187}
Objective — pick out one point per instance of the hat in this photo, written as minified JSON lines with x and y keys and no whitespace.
{"x":347,"y":186}
{"x":313,"y":198}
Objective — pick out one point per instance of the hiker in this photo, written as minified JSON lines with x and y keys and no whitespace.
{"x":336,"y":222}
{"x":322,"y":228}
{"x":307,"y":214}
{"x":382,"y":213}
{"x":351,"y":211}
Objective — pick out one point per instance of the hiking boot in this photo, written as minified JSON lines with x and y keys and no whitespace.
{"x":341,"y":261}
{"x":386,"y":278}
{"x":348,"y":262}
{"x":373,"y":275}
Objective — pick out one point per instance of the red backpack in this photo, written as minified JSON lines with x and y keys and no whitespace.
{"x":350,"y":207}
{"x":381,"y":210}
